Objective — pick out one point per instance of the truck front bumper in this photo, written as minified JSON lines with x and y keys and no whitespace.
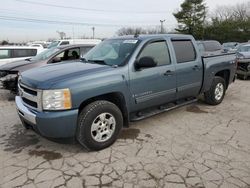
{"x":60,"y":124}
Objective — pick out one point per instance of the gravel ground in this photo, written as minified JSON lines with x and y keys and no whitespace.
{"x":193,"y":146}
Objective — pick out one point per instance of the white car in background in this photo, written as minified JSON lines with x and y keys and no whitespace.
{"x":57,"y":43}
{"x":9,"y":54}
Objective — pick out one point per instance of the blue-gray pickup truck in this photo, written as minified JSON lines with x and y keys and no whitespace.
{"x":121,"y":80}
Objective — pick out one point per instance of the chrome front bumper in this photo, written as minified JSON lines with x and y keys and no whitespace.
{"x":24,"y":112}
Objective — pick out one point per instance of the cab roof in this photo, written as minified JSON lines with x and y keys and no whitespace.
{"x":154,"y":36}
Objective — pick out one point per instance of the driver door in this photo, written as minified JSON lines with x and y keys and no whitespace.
{"x":156,"y":85}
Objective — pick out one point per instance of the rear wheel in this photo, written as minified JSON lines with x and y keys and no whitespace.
{"x":99,"y":125}
{"x":216,"y":93}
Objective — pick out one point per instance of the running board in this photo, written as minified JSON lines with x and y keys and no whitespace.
{"x":160,"y":109}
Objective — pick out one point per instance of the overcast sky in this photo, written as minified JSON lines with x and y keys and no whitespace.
{"x":106,"y":15}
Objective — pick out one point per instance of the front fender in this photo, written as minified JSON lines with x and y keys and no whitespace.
{"x":99,"y":86}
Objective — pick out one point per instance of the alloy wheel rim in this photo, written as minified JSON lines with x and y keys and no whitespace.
{"x":219,"y":90}
{"x":103,"y":127}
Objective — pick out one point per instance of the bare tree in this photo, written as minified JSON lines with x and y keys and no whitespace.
{"x":223,"y":13}
{"x":242,"y":11}
{"x":61,"y":34}
{"x":131,"y":31}
{"x":238,"y":12}
{"x":139,"y":30}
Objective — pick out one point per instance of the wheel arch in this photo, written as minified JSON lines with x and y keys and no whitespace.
{"x":115,"y":97}
{"x":225,"y":74}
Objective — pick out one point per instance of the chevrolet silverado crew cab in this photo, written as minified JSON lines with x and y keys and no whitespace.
{"x":120,"y":80}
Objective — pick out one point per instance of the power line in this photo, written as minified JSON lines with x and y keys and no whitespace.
{"x":92,"y":10}
{"x":33,"y":20}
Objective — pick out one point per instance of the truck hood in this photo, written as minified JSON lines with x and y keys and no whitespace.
{"x":44,"y":77}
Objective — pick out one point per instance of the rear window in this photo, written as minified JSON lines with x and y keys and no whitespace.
{"x":64,"y":43}
{"x":211,"y":46}
{"x":184,"y":50}
{"x":24,"y":52}
{"x":4,"y":53}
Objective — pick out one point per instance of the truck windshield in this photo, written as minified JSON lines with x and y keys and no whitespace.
{"x":113,"y":52}
{"x":45,"y":54}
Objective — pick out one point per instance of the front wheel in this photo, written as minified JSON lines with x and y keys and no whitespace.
{"x":99,"y":125}
{"x":216,"y":93}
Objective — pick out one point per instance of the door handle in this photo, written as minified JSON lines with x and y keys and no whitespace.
{"x":196,"y":67}
{"x":168,"y":73}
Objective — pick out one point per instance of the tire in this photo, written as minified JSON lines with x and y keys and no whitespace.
{"x":102,"y":115}
{"x":210,"y":96}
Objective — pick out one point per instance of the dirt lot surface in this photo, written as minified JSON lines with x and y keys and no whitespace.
{"x":193,"y":146}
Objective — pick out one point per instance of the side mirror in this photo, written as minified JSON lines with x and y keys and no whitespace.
{"x":56,"y":60}
{"x":145,"y":62}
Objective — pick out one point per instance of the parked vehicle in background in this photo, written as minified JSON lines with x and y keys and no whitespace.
{"x":230,"y":47}
{"x":210,"y":47}
{"x":13,"y":53}
{"x":74,"y":41}
{"x":243,"y":60}
{"x":9,"y":72}
{"x":44,"y":44}
{"x":122,"y":79}
{"x":37,"y":45}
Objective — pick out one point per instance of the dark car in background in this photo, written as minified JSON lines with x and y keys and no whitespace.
{"x":243,"y":59}
{"x":9,"y":72}
{"x":210,"y":47}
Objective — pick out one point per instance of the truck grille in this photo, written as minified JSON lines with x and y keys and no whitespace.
{"x":31,"y":97}
{"x":29,"y":91}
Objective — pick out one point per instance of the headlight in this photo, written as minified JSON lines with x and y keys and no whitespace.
{"x":58,"y":99}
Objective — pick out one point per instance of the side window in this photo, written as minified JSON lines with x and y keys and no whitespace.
{"x":158,"y":51}
{"x":58,"y":58}
{"x":24,"y":52}
{"x":4,"y":53}
{"x":73,"y":54}
{"x":184,"y":50}
{"x":64,"y":43}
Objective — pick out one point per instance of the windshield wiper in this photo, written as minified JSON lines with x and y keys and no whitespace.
{"x":28,"y":59}
{"x":98,"y":61}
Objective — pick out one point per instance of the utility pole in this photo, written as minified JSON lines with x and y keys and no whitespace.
{"x":73,"y":32}
{"x":93,"y":29}
{"x":162,"y":21}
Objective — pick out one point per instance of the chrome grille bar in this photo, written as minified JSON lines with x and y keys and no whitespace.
{"x":24,"y":94}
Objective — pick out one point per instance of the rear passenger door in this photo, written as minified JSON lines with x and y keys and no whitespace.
{"x":189,"y":70}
